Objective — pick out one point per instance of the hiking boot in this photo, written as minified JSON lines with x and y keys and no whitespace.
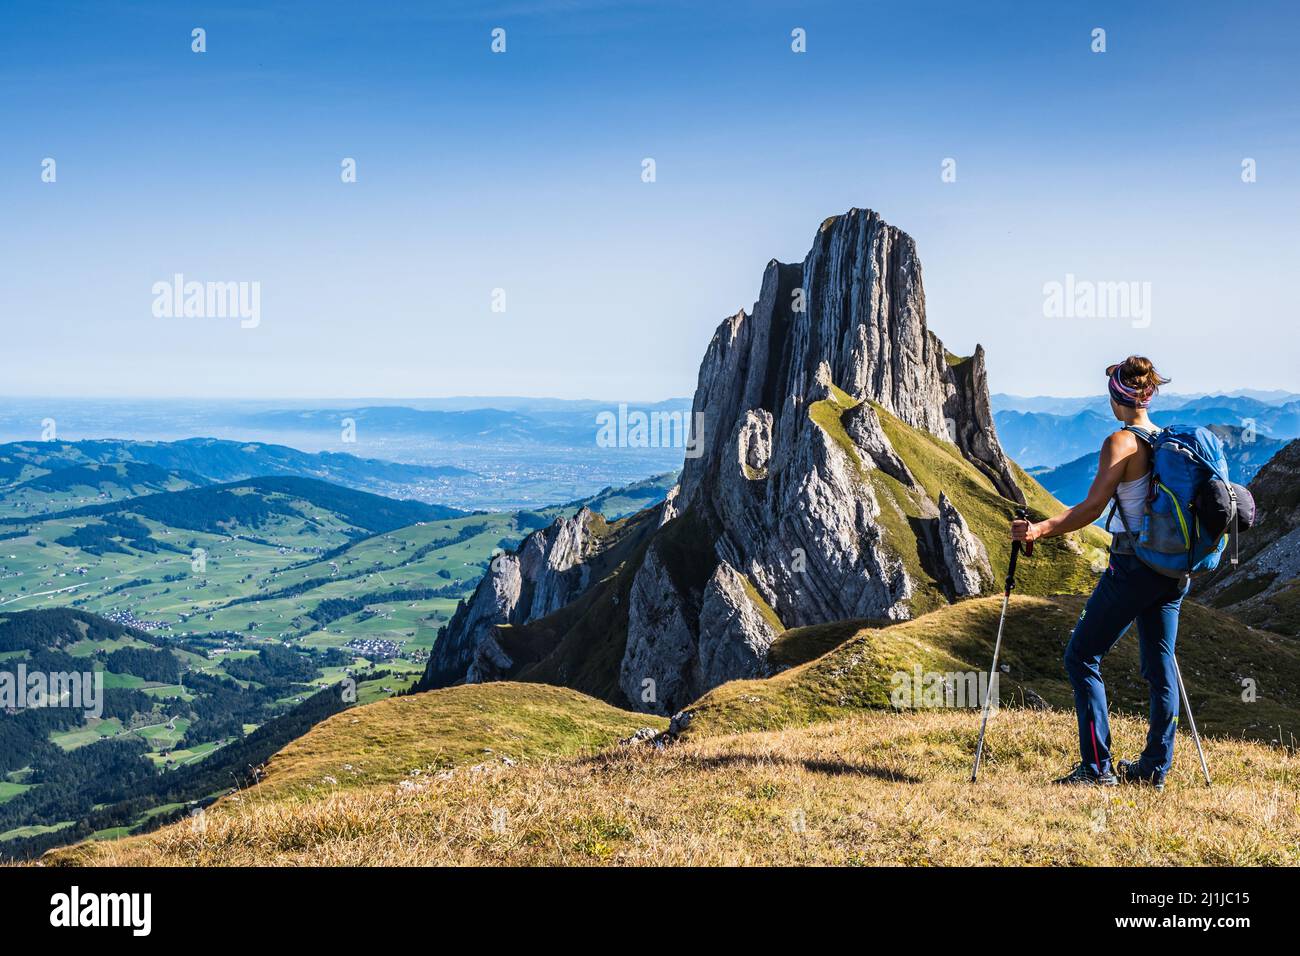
{"x":1129,"y":772}
{"x":1083,"y":775}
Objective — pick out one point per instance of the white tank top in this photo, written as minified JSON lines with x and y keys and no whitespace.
{"x":1132,"y":497}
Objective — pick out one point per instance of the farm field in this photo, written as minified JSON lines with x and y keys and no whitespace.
{"x":210,"y":612}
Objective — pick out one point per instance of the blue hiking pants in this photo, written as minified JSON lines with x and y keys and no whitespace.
{"x":1129,"y":591}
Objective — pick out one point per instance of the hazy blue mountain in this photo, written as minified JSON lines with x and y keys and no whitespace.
{"x":1051,"y":404}
{"x":1244,"y":401}
{"x":570,"y":426}
{"x":1070,"y":482}
{"x":1044,"y":439}
{"x":40,"y":476}
{"x":1039,"y":438}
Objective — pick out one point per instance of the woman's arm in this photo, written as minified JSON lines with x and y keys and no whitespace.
{"x":1115,"y":453}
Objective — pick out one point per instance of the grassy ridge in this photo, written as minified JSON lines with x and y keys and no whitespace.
{"x":811,"y":766}
{"x":395,"y":739}
{"x":871,"y":788}
{"x":1216,"y":653}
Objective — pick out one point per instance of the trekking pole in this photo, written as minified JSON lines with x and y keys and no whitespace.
{"x":1191,"y":721}
{"x":990,"y":692}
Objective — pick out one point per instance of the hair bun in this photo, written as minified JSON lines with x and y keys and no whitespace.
{"x":1139,"y":374}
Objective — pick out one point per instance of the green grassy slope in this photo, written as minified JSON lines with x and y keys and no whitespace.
{"x":1216,"y":653}
{"x":290,"y":565}
{"x":406,"y":737}
{"x":87,"y":484}
{"x":38,"y":477}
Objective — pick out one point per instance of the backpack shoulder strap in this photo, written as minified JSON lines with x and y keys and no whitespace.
{"x":1143,"y":434}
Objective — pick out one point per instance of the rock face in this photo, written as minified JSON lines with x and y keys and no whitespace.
{"x":736,"y":630}
{"x":800,"y":510}
{"x":1264,"y":588}
{"x":548,"y":570}
{"x":780,"y":519}
{"x":964,"y":555}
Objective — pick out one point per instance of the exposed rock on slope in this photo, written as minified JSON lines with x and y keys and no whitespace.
{"x":1264,"y":589}
{"x":849,"y":469}
{"x":547,"y":572}
{"x":550,"y":570}
{"x":963,"y":554}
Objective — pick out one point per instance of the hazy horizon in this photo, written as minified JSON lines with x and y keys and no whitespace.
{"x":466,"y":400}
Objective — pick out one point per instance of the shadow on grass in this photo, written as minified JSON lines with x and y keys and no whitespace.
{"x":830,"y":768}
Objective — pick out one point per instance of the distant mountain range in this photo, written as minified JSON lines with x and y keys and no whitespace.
{"x":40,"y":477}
{"x":449,"y":422}
{"x":1070,"y":482}
{"x":490,"y":453}
{"x":1057,"y":405}
{"x":1044,"y":438}
{"x":500,"y":454}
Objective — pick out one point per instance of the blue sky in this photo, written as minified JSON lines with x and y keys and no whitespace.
{"x":522,"y":171}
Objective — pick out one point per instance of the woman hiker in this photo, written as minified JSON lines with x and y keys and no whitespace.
{"x":1127,"y":591}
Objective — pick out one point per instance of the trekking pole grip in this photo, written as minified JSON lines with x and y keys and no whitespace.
{"x":1022,"y":514}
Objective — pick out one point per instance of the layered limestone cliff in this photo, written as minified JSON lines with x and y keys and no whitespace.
{"x":549,"y":569}
{"x":803,"y":507}
{"x":783,"y":499}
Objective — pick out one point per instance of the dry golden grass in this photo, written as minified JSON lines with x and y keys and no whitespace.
{"x":875,"y":788}
{"x":405,"y":737}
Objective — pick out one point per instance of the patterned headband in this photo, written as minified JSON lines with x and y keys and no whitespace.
{"x":1125,"y":395}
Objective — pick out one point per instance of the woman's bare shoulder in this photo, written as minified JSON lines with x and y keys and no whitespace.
{"x":1119,"y":446}
{"x":1120,"y":440}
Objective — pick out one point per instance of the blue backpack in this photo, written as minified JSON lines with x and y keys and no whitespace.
{"x":1190,"y":504}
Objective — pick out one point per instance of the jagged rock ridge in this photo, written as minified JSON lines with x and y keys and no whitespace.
{"x":791,"y":514}
{"x":1264,"y":588}
{"x":788,"y":397}
{"x":548,"y":570}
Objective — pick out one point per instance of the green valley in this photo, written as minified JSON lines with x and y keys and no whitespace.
{"x":223,"y":621}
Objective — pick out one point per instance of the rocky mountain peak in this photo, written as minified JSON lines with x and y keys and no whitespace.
{"x":851,"y":315}
{"x":849,"y":469}
{"x":548,"y":570}
{"x":790,"y":397}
